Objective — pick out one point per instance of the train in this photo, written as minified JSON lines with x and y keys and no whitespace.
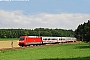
{"x":41,"y":40}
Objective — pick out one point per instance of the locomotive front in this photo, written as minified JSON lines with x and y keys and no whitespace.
{"x":22,"y":41}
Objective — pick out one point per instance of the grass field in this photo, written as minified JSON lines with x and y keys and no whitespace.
{"x":6,"y":39}
{"x":57,"y":52}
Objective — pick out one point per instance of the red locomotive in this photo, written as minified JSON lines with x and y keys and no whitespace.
{"x":30,"y":40}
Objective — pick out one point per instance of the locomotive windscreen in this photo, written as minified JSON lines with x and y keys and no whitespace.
{"x":21,"y":38}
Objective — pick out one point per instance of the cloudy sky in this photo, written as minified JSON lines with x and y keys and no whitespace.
{"x":31,"y":14}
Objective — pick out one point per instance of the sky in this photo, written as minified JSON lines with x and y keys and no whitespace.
{"x":31,"y":14}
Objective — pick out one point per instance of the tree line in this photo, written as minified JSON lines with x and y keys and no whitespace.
{"x":82,"y":32}
{"x":16,"y":33}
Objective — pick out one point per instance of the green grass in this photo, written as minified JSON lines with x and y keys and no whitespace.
{"x":6,"y":39}
{"x":57,"y":52}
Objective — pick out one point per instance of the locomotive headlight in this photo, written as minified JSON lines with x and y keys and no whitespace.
{"x":21,"y":41}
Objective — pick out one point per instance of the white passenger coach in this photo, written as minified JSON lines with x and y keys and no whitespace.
{"x":58,"y":39}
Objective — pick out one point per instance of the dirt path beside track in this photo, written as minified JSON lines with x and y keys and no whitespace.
{"x":7,"y":44}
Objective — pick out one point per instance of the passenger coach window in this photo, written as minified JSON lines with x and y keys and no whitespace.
{"x":54,"y":39}
{"x":59,"y":39}
{"x":21,"y":38}
{"x":44,"y":39}
{"x":63,"y":39}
